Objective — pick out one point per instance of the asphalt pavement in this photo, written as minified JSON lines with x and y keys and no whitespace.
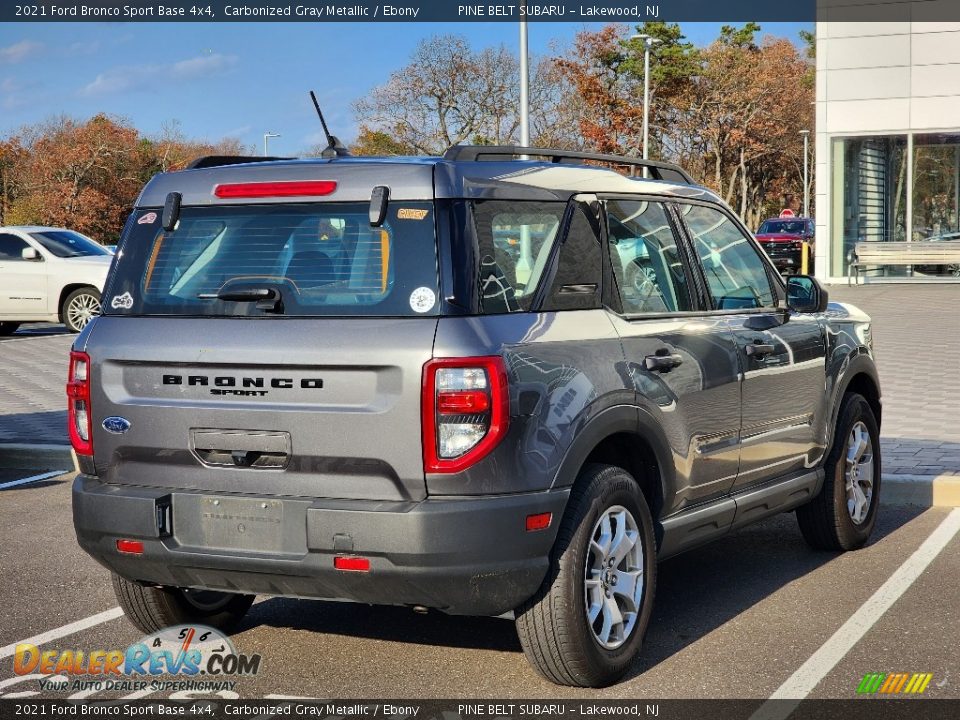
{"x":734,"y":619}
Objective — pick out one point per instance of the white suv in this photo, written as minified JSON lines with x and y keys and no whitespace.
{"x":50,"y":275}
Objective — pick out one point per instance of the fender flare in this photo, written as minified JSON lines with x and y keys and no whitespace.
{"x":858,"y":363}
{"x":617,"y":419}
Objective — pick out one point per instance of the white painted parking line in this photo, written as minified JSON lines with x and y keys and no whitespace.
{"x":33,"y":479}
{"x":64,"y":630}
{"x":808,"y":675}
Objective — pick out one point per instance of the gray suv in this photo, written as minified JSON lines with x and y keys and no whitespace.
{"x":428,"y":382}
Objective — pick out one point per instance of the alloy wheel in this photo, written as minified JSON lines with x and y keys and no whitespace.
{"x":613,"y":577}
{"x":82,"y":309}
{"x":859,"y":472}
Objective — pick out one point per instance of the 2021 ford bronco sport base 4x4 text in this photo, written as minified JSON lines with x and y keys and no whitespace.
{"x":426,"y":382}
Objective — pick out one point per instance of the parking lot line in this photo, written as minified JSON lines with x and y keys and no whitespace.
{"x":64,"y":630}
{"x":32,"y":479}
{"x":809,"y":675}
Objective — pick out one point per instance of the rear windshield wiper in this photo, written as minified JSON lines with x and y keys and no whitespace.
{"x":268,"y":299}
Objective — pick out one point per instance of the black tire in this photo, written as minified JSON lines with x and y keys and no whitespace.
{"x":554,"y":630}
{"x":826,"y":522}
{"x":8,"y":328}
{"x":153,"y":608}
{"x":87,"y":295}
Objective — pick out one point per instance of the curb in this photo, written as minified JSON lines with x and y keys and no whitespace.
{"x":27,"y":456}
{"x":922,"y":490}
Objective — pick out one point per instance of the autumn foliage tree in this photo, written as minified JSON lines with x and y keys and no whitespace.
{"x":86,"y":175}
{"x":731,"y":112}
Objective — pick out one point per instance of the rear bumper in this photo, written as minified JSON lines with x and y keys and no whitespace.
{"x":470,"y":556}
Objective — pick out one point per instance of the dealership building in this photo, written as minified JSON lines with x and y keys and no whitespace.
{"x":887,"y":142}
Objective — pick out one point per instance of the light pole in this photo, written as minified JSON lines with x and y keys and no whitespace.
{"x":525,"y":261}
{"x":524,"y":79}
{"x":648,"y":42}
{"x":806,"y":182}
{"x":266,"y":142}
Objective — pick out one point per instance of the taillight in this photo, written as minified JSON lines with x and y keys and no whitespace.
{"x":465,"y":408}
{"x":79,"y":421}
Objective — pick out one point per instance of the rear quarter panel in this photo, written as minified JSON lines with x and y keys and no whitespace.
{"x":562,"y":370}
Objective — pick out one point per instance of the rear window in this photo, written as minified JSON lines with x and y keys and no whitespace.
{"x":310,"y":260}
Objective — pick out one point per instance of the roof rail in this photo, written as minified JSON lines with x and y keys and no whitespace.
{"x":208,"y":161}
{"x":658,"y":170}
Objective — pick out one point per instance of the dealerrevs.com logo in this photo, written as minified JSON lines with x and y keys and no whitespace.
{"x":182,"y":657}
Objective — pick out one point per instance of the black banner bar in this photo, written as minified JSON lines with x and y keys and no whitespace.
{"x":861,"y":709}
{"x":629,"y":11}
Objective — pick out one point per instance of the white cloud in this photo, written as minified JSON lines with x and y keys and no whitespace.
{"x":84,"y":47}
{"x":237,"y":132}
{"x":12,"y":94}
{"x":18,"y":51}
{"x":128,"y":77}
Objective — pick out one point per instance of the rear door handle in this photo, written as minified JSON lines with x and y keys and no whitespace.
{"x":759,"y":350}
{"x":662,"y":363}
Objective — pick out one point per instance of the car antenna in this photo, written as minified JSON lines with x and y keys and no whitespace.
{"x":334,"y":147}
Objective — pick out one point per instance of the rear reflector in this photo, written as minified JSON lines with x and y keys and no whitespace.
{"x":355,"y":564}
{"x":295,"y":188}
{"x":130,"y":547}
{"x":540,"y":521}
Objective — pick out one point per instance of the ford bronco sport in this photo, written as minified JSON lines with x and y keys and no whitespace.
{"x":427,"y":382}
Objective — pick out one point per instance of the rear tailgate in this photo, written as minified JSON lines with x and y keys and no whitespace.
{"x":297,"y":407}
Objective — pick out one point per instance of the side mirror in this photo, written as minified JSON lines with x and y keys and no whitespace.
{"x":29,"y":253}
{"x":805,"y":294}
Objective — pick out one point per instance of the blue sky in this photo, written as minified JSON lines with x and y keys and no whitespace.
{"x":233,"y":79}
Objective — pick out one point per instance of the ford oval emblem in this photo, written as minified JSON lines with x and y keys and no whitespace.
{"x":116,"y":425}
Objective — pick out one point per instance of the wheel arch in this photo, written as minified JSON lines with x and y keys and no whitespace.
{"x":66,"y":290}
{"x":861,"y":377}
{"x":625,"y":437}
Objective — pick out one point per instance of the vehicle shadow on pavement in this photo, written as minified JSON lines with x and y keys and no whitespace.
{"x":45,"y":428}
{"x":696,"y":593}
{"x":700,"y":591}
{"x":396,"y":624}
{"x":32,"y":330}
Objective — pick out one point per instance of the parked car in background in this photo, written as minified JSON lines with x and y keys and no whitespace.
{"x":952,"y":269}
{"x":783,"y":238}
{"x":50,"y":275}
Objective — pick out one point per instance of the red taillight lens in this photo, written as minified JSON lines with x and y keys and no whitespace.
{"x":79,"y":420}
{"x":458,"y":402}
{"x":295,"y":188}
{"x":465,"y":411}
{"x":130,"y":547}
{"x":355,"y":564}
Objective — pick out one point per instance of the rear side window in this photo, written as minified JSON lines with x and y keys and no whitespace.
{"x":736,"y":274}
{"x":321,"y":259}
{"x":514,"y":240}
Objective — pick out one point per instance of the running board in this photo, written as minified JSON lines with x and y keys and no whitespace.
{"x":704,"y":523}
